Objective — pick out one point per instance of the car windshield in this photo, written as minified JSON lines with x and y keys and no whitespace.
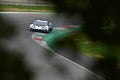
{"x":40,"y":23}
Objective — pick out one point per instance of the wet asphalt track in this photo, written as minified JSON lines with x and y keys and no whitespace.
{"x":37,"y":58}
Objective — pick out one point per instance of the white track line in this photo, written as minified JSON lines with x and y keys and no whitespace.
{"x":27,"y":13}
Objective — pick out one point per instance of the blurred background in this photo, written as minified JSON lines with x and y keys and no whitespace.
{"x":98,"y":39}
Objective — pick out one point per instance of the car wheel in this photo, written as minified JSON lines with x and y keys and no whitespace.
{"x":50,"y":29}
{"x":47,"y":31}
{"x":31,"y":29}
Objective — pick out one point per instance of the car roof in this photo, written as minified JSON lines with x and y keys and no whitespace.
{"x":40,"y":22}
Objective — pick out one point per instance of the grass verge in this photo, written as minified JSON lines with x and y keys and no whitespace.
{"x":97,"y":50}
{"x":25,"y":8}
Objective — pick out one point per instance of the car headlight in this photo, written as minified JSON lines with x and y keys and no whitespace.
{"x":31,"y":26}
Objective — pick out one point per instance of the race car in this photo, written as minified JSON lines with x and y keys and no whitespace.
{"x":41,"y":26}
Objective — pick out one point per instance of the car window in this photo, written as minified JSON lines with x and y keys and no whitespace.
{"x":40,"y":23}
{"x":50,"y":24}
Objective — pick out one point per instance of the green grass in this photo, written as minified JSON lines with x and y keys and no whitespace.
{"x":96,"y":49}
{"x":27,"y":8}
{"x":89,"y":47}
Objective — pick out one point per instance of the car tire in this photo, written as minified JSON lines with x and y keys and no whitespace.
{"x":31,"y":29}
{"x":47,"y":31}
{"x":50,"y":29}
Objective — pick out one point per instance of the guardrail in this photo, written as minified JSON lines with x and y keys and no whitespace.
{"x":26,"y":2}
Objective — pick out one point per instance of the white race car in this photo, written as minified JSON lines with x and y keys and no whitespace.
{"x":41,"y":26}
